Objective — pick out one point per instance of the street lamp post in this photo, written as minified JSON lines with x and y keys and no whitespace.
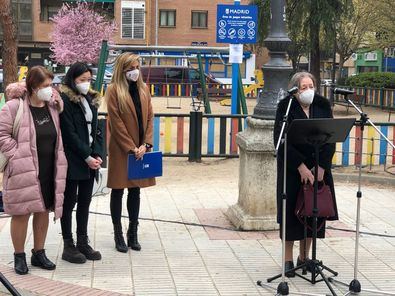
{"x":277,"y":70}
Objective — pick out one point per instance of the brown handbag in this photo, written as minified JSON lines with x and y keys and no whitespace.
{"x":305,"y":200}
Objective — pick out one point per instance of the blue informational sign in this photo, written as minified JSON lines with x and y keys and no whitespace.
{"x":237,"y":23}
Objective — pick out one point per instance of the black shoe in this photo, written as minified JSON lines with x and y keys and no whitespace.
{"x":133,"y":242}
{"x":71,"y":253}
{"x":39,"y":259}
{"x":288,"y":266}
{"x":84,"y":247}
{"x":119,"y":240}
{"x":20,"y":265}
{"x":308,"y":264}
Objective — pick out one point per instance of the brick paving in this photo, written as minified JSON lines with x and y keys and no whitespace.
{"x":178,"y":259}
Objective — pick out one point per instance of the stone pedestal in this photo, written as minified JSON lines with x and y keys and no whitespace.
{"x":256,"y":207}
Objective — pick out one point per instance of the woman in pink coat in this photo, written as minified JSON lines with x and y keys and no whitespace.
{"x":34,"y":178}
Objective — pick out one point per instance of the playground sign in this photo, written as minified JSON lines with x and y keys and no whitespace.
{"x":236,"y":23}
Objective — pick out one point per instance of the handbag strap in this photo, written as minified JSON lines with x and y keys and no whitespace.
{"x":17,"y":120}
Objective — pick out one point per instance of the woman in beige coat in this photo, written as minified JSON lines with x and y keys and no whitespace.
{"x":131,"y":123}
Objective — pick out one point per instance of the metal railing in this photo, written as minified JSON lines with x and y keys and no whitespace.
{"x":197,"y":135}
{"x":377,"y":97}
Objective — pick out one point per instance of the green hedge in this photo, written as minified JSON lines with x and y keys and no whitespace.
{"x":373,"y":80}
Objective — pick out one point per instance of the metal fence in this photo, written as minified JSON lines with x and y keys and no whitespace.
{"x":377,"y":97}
{"x":197,"y":135}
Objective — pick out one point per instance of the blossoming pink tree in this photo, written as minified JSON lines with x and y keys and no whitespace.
{"x":78,"y":33}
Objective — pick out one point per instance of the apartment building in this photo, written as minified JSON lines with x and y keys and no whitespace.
{"x":140,"y":22}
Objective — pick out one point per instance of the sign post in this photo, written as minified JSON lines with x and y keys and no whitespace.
{"x":236,"y":25}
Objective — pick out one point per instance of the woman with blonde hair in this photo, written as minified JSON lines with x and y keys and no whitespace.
{"x":130,"y":120}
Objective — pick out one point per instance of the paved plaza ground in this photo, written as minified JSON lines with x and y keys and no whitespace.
{"x":188,"y":259}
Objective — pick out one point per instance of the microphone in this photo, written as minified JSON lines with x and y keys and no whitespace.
{"x":342,"y":91}
{"x":293,"y":90}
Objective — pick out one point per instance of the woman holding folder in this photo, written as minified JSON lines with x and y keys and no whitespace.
{"x":130,"y":120}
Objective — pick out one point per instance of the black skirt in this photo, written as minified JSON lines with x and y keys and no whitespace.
{"x":294,"y":230}
{"x":46,"y":137}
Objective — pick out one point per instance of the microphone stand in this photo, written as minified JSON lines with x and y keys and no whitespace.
{"x":355,"y":286}
{"x":9,"y":286}
{"x":282,"y":288}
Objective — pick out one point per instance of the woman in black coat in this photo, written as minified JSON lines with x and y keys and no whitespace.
{"x":83,"y":145}
{"x":300,"y":164}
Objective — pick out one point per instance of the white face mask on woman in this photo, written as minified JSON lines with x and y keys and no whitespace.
{"x":133,"y":75}
{"x":83,"y":87}
{"x":306,"y":97}
{"x":45,"y":94}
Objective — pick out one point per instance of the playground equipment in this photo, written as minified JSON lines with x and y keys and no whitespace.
{"x":182,"y":53}
{"x":22,"y":73}
{"x":253,"y":88}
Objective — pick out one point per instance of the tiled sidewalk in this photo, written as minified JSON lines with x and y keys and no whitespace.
{"x":178,"y":259}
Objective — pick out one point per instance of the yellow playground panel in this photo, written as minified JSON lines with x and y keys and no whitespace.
{"x":22,"y":73}
{"x":251,"y":90}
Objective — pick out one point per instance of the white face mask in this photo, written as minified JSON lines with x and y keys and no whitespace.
{"x":45,"y":94}
{"x":306,"y":97}
{"x":83,"y":87}
{"x":133,"y":75}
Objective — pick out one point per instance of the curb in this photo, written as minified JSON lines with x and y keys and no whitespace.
{"x":365,"y":179}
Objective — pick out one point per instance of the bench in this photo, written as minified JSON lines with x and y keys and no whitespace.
{"x":215,"y":94}
{"x":358,"y":100}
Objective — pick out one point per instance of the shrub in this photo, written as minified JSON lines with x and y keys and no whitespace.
{"x":373,"y":80}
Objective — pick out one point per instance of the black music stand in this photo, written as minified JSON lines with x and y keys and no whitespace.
{"x":317,"y":132}
{"x":8,"y":286}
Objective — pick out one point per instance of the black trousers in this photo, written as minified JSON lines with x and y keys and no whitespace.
{"x":80,"y":192}
{"x":133,"y":204}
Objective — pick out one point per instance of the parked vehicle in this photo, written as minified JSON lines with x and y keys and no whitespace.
{"x":107,"y":75}
{"x":174,"y":74}
{"x":327,"y":82}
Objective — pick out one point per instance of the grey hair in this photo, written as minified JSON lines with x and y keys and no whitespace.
{"x":297,"y":77}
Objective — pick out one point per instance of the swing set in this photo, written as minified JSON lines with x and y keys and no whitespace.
{"x":194,"y":52}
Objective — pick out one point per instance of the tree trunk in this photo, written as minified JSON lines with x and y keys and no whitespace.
{"x":10,"y":45}
{"x":315,"y":43}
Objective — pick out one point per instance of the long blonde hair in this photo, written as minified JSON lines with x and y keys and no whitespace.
{"x":119,"y":81}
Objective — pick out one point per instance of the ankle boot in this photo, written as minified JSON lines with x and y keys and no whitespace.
{"x":133,"y":242}
{"x":71,"y":253}
{"x":84,"y":247}
{"x":119,"y":240}
{"x":39,"y":259}
{"x":20,"y":265}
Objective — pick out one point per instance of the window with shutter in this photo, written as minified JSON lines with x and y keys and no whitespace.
{"x":133,"y":19}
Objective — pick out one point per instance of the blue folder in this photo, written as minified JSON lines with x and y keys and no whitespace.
{"x":148,"y":167}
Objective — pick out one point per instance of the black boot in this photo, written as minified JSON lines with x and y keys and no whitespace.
{"x":133,"y":242}
{"x":288,"y":266}
{"x":84,"y":247}
{"x":119,"y":240}
{"x":20,"y":264}
{"x":39,"y":259}
{"x":71,"y":253}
